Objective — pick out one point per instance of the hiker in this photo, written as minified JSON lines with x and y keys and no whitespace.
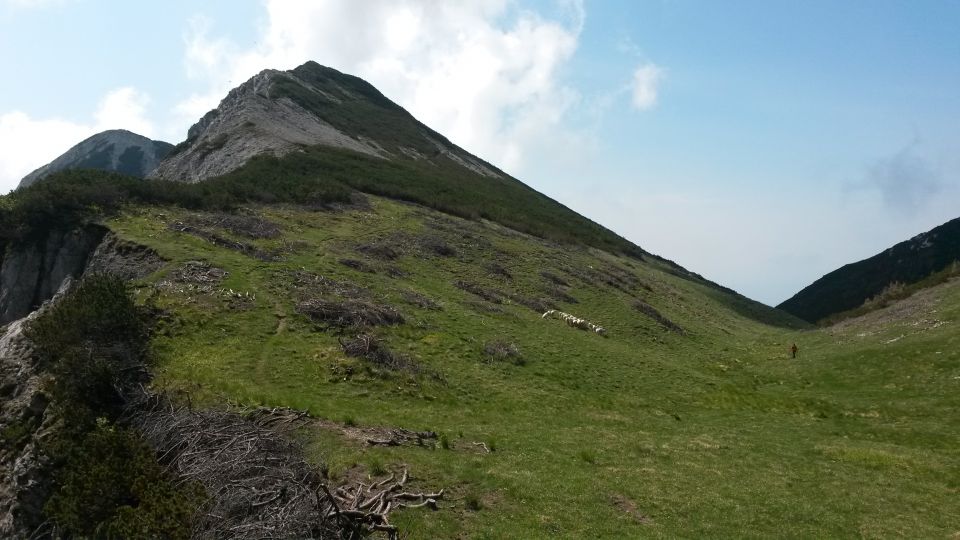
{"x":793,"y":350}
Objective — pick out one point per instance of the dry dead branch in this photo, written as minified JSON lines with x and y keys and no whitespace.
{"x":358,"y":265}
{"x":500,"y":350}
{"x":349,"y":313}
{"x":258,"y":484}
{"x":375,"y":351}
{"x":217,"y":240}
{"x":250,"y":225}
{"x":370,"y":506}
{"x":420,"y":300}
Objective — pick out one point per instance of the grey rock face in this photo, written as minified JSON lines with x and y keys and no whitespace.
{"x":278,"y":112}
{"x":24,"y":479}
{"x":19,"y":275}
{"x":32,"y":273}
{"x":114,"y":150}
{"x":249,"y":123}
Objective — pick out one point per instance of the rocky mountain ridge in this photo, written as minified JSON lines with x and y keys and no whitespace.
{"x":278,"y":112}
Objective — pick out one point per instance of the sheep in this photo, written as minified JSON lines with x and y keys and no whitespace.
{"x":576,"y":322}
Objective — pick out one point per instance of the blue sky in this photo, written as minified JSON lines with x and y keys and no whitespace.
{"x":760,"y":143}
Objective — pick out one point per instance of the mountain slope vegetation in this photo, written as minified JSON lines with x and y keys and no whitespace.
{"x":850,"y":286}
{"x":690,"y":422}
{"x":319,"y":281}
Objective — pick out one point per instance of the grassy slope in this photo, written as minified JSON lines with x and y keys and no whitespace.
{"x":715,"y":433}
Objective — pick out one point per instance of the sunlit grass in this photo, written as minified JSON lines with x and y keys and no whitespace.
{"x":715,"y":433}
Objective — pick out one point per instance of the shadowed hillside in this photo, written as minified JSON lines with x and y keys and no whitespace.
{"x":850,"y":286}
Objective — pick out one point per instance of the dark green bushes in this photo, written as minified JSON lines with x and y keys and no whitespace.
{"x":71,"y":198}
{"x":107,"y":482}
{"x":94,"y":342}
{"x":111,"y":486}
{"x":317,"y":176}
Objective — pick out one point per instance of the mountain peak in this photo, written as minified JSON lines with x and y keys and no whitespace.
{"x":278,"y":112}
{"x":116,"y":150}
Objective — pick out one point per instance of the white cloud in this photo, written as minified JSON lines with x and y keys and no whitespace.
{"x":646,"y":80}
{"x":28,"y":143}
{"x":124,"y":108}
{"x":484,"y":73}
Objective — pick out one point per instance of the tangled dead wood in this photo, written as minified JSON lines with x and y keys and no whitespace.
{"x":358,"y":265}
{"x":247,"y":249}
{"x":307,"y":285}
{"x":257,"y":482}
{"x":559,"y":294}
{"x":420,"y":300}
{"x":349,"y":313}
{"x":374,"y":350}
{"x":281,"y":418}
{"x":249,"y":224}
{"x":435,"y":245}
{"x":500,"y":350}
{"x":536,"y":304}
{"x":489,"y":295}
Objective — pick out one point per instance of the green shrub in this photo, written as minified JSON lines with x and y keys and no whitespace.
{"x":110,"y":486}
{"x":107,"y":482}
{"x":94,"y":342}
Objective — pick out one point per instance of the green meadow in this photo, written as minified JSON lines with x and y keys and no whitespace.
{"x":687,"y":418}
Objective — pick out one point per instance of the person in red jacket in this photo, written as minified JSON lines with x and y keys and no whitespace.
{"x":793,"y":350}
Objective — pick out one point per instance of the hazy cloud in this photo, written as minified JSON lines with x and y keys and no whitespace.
{"x":29,"y":143}
{"x":646,"y":80}
{"x":905,"y":181}
{"x":484,"y":73}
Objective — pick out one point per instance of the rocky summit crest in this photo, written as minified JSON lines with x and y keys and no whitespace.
{"x":278,"y":112}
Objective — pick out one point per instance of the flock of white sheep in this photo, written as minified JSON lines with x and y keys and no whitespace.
{"x":575,"y":321}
